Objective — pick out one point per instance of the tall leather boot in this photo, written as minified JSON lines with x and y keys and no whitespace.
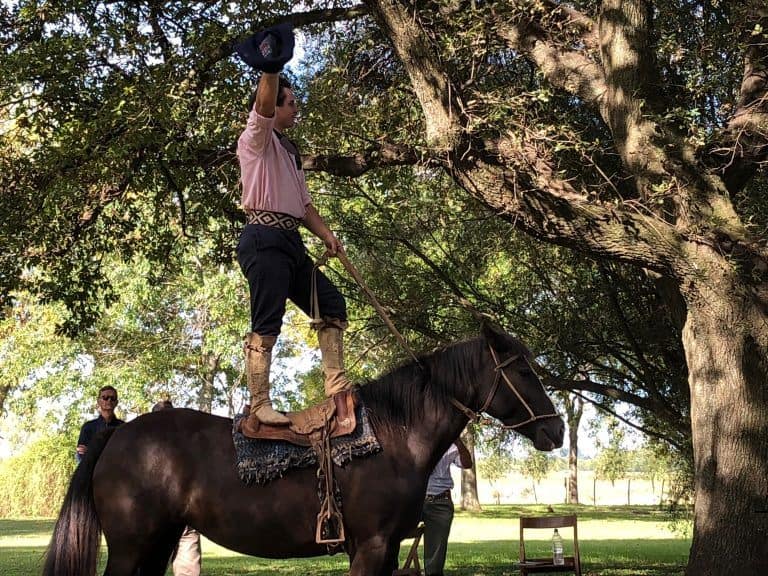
{"x":330,"y":334}
{"x":258,"y":358}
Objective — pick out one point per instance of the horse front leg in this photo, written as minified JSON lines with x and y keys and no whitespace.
{"x":374,"y":557}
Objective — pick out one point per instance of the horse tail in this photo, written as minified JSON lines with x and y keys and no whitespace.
{"x":74,"y":546}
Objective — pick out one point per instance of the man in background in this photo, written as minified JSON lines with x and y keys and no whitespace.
{"x":106,"y":402}
{"x":437,"y":514}
{"x":187,"y":559}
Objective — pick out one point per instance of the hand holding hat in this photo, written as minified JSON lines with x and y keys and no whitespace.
{"x":269,"y":49}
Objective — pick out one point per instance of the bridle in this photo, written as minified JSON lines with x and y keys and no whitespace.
{"x":474,"y":416}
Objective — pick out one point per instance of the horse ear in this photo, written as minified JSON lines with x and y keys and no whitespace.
{"x":494,"y":334}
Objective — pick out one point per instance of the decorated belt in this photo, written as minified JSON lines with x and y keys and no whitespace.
{"x":444,"y":495}
{"x":272,"y":219}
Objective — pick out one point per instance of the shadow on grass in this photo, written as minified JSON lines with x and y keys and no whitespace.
{"x":241,"y":565}
{"x":617,"y":557}
{"x":603,"y":558}
{"x":463,"y":560}
{"x":598,"y":557}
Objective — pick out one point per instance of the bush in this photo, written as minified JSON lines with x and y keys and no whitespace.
{"x":34,"y":482}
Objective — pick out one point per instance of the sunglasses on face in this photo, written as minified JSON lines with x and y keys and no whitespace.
{"x":108,"y":398}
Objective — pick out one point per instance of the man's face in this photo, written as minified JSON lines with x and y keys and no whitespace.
{"x":107,"y":401}
{"x":287,"y":115}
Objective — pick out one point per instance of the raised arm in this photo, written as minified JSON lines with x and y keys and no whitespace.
{"x":266,"y":94}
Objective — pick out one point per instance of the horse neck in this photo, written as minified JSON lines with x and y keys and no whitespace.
{"x":437,"y":434}
{"x":442,"y":422}
{"x":413,"y":403}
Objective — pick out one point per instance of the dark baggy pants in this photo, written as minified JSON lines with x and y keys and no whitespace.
{"x":438,"y":517}
{"x":277,"y":267}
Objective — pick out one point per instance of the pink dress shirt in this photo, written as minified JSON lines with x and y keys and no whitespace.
{"x":268,"y":171}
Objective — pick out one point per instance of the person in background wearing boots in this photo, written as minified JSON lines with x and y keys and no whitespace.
{"x":187,"y":559}
{"x":437,"y":514}
{"x":271,"y":252}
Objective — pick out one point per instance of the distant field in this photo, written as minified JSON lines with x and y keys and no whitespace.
{"x":614,"y":541}
{"x":551,"y":490}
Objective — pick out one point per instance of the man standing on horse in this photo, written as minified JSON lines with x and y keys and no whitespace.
{"x":271,"y":253}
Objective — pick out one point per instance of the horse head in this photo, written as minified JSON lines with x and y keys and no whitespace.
{"x":514,"y":393}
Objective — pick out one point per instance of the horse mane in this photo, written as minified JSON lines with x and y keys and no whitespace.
{"x":400,"y":397}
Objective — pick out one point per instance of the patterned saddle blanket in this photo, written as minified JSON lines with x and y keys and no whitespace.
{"x":261,"y":460}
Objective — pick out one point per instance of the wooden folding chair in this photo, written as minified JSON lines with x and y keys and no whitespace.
{"x":412,"y":566}
{"x":536,"y":565}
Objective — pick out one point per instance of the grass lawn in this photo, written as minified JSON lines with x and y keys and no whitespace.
{"x":614,"y":541}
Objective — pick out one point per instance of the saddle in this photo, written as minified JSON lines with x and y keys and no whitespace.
{"x":315,"y":427}
{"x":307,"y":440}
{"x":335,"y":414}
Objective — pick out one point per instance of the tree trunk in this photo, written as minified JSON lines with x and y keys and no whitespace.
{"x":573,"y":458}
{"x":210,"y":367}
{"x":469,"y":499}
{"x":574,"y":408}
{"x":594,"y":491}
{"x":725,"y":339}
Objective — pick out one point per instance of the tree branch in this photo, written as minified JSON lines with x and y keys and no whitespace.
{"x":438,"y":98}
{"x":569,"y":69}
{"x":627,"y":59}
{"x":379,"y":155}
{"x":675,"y":419}
{"x":642,"y":429}
{"x":742,"y":147}
{"x":530,"y":193}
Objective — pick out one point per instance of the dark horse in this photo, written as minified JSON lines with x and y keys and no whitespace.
{"x":144,"y":482}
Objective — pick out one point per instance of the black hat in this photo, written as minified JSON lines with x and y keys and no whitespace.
{"x":269,"y":49}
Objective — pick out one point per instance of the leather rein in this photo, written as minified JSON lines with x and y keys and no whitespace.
{"x":499,"y":367}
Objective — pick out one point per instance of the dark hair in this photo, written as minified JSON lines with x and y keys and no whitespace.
{"x":107,"y":387}
{"x":282,"y":85}
{"x":162,"y":405}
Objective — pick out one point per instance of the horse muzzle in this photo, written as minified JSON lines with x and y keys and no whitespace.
{"x":547,"y":435}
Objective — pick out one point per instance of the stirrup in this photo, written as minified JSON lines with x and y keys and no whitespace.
{"x":333,"y":523}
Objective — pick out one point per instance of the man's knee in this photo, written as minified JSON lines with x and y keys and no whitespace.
{"x":334,"y":306}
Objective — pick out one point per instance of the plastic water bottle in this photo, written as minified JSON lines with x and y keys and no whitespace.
{"x":557,"y":549}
